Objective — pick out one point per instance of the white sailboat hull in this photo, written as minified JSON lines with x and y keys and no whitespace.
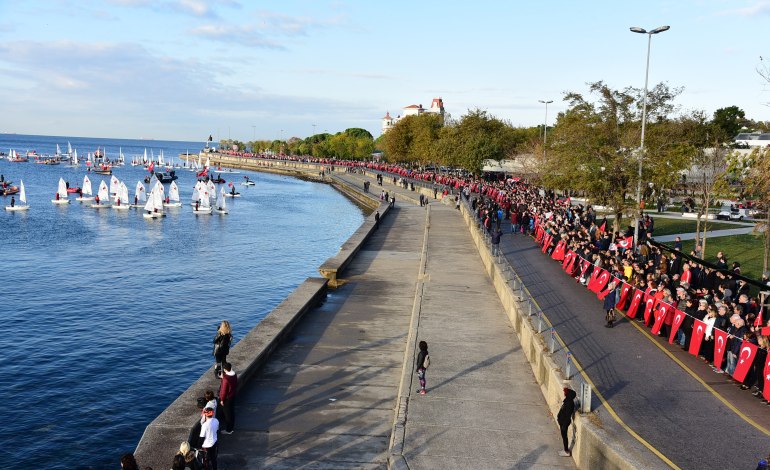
{"x":122,"y":207}
{"x":84,"y":198}
{"x":16,"y":208}
{"x":248,"y":183}
{"x":232,"y":195}
{"x":172,"y":204}
{"x":153,"y":215}
{"x":60,"y":201}
{"x":221,"y":211}
{"x":202,"y":210}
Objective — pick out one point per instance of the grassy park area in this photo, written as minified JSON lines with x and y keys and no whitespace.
{"x":673,"y":226}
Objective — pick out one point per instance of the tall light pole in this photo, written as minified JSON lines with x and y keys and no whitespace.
{"x":313,"y":129}
{"x":636,"y":29}
{"x":545,"y":124}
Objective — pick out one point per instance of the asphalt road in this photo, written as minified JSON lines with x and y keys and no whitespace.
{"x":650,"y":392}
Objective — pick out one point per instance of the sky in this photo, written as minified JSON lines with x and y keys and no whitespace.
{"x":245,"y":69}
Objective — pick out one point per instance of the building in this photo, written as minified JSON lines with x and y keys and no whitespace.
{"x":436,"y":107}
{"x":753,"y":139}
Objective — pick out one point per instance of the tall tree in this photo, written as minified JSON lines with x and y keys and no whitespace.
{"x":758,"y":186}
{"x":595,"y":145}
{"x":729,"y":120}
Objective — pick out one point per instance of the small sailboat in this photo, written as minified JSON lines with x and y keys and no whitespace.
{"x":140,"y":195}
{"x":221,"y":205}
{"x":199,"y":189}
{"x":173,"y":196}
{"x":102,"y":199}
{"x":61,"y":193}
{"x":232,"y":192}
{"x":86,"y":193}
{"x":211,"y":189}
{"x":247,"y":182}
{"x":22,"y":198}
{"x":114,"y":187}
{"x":203,"y":206}
{"x":153,"y":209}
{"x":121,"y":201}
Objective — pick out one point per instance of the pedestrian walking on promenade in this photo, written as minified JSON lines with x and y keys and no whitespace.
{"x":227,"y":396}
{"x":222,"y":345}
{"x":564,"y":418}
{"x":496,"y":233}
{"x":423,"y":362}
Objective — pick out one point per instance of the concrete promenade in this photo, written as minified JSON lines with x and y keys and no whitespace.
{"x":328,"y":397}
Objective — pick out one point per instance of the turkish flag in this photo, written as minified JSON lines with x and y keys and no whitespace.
{"x":678,"y":319}
{"x":661,"y":311}
{"x":602,"y":281}
{"x":745,"y":359}
{"x":558,"y":252}
{"x":627,"y":242}
{"x":635,"y":301}
{"x":151,"y":167}
{"x":758,"y":321}
{"x":538,"y":233}
{"x":547,"y":242}
{"x":584,"y":268}
{"x":698,"y":331}
{"x":720,"y":344}
{"x":569,"y":261}
{"x":649,"y":305}
{"x":766,"y":373}
{"x":625,"y":290}
{"x":594,"y":278}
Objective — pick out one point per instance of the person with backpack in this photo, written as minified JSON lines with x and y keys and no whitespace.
{"x":423,"y":362}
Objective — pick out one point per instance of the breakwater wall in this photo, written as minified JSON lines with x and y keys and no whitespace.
{"x":162,"y":437}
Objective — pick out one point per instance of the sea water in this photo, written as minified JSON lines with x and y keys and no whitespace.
{"x":109,"y":316}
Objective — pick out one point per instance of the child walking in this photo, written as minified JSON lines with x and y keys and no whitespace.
{"x":423,"y":362}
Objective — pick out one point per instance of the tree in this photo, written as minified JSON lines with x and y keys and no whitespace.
{"x":594,"y":145}
{"x":478,"y":137}
{"x":730,"y":120}
{"x":758,"y":187}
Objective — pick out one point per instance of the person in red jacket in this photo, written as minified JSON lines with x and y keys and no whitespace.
{"x":227,"y":396}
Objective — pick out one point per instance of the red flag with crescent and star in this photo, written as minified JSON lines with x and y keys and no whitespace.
{"x":602,"y":282}
{"x":720,"y":344}
{"x":547,"y":242}
{"x":649,"y":306}
{"x":766,"y":388}
{"x":569,"y":261}
{"x":758,"y":321}
{"x":678,"y":319}
{"x":635,"y":301}
{"x":558,"y":252}
{"x":594,"y":278}
{"x":745,"y":359}
{"x":584,"y":268}
{"x":698,"y":331}
{"x":661,"y":311}
{"x":625,"y":290}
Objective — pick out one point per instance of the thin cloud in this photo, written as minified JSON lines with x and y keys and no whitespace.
{"x":756,"y":9}
{"x":243,"y":35}
{"x":337,"y":73}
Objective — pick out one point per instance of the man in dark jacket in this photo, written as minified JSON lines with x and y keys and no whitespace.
{"x":564,"y":418}
{"x":227,"y":396}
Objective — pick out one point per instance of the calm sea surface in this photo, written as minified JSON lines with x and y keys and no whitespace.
{"x":109,"y":316}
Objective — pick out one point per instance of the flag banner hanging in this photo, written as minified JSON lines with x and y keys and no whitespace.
{"x":698,"y":331}
{"x":649,"y":305}
{"x":567,"y":258}
{"x":758,"y":321}
{"x":594,"y":278}
{"x":558,"y":252}
{"x":661,"y":310}
{"x":720,"y":344}
{"x":745,"y":360}
{"x":625,"y":291}
{"x":547,"y":242}
{"x":584,"y":268}
{"x":678,"y":319}
{"x":636,"y":300}
{"x":602,"y":281}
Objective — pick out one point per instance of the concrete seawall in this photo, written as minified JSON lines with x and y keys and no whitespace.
{"x":162,"y":437}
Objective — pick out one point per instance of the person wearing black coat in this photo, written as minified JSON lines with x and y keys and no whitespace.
{"x":564,"y":418}
{"x":610,"y":299}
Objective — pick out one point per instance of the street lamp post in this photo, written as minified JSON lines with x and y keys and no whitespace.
{"x":545,"y":124}
{"x":313,"y":129}
{"x":638,"y":217}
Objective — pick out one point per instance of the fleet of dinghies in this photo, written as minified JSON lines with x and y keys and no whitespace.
{"x":205,"y":197}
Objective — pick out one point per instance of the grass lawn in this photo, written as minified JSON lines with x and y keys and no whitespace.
{"x":745,"y":249}
{"x":674,"y":226}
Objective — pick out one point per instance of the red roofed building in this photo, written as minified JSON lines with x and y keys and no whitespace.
{"x":436,"y":107}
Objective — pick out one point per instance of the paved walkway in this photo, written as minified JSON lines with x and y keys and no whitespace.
{"x":327,"y":397}
{"x":710,"y":234}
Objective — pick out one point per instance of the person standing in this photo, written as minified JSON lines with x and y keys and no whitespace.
{"x":227,"y":391}
{"x":423,"y":362}
{"x":209,"y":430}
{"x":610,"y":300}
{"x":564,"y":418}
{"x":496,"y":241}
{"x":222,"y":345}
